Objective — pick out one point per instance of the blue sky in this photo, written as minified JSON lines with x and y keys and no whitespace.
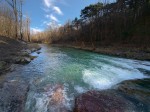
{"x":53,"y":12}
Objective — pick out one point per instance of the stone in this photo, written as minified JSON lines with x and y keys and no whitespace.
{"x":2,"y":65}
{"x":103,"y":101}
{"x":33,"y":50}
{"x":22,"y":60}
{"x":13,"y":96}
{"x":137,"y":89}
{"x":32,"y":57}
{"x":38,"y":52}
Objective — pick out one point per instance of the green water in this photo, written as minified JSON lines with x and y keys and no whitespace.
{"x":74,"y":72}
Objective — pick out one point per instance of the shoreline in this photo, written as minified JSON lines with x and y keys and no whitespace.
{"x":13,"y":94}
{"x":120,"y":52}
{"x":15,"y":52}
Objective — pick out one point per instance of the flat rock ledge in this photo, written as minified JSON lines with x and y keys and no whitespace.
{"x":128,"y":96}
{"x":102,"y":101}
{"x":13,"y":95}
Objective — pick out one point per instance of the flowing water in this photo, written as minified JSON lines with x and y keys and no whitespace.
{"x":57,"y":75}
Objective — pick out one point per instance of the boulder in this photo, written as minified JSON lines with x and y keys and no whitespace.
{"x":32,"y":57}
{"x":33,"y":50}
{"x":13,"y":96}
{"x":25,"y":52}
{"x":38,"y":52}
{"x":4,"y":67}
{"x":103,"y":101}
{"x":137,"y":89}
{"x":22,"y":60}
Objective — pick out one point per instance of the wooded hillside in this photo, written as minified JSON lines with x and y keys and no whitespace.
{"x":123,"y":22}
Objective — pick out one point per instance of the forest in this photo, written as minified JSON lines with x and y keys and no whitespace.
{"x":122,"y":22}
{"x":13,"y":23}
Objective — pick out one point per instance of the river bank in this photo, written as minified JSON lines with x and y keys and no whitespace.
{"x":13,"y":93}
{"x":124,"y":51}
{"x":15,"y":52}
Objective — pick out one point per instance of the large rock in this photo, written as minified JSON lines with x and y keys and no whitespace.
{"x":33,"y":47}
{"x":26,"y":52}
{"x":13,"y":96}
{"x":22,"y":60}
{"x":4,"y":67}
{"x":103,"y":101}
{"x":137,"y":89}
{"x":128,"y":96}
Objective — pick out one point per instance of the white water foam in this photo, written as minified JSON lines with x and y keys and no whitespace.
{"x":44,"y":101}
{"x":108,"y":76}
{"x":41,"y":103}
{"x":79,"y":89}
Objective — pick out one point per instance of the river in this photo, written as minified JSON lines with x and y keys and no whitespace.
{"x":58,"y":75}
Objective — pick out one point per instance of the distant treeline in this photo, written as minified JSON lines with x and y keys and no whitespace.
{"x":12,"y":21}
{"x":123,"y":22}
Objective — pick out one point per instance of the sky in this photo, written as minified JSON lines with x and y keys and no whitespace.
{"x":44,"y":13}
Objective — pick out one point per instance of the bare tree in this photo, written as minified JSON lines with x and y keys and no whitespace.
{"x":13,"y":4}
{"x":21,"y":30}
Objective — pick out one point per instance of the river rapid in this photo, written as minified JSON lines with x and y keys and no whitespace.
{"x":58,"y":75}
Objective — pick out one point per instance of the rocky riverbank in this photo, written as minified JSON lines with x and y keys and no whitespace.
{"x":15,"y":52}
{"x":128,"y":96}
{"x":13,"y":93}
{"x":125,"y":51}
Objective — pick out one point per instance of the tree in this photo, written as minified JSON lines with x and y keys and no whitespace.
{"x":13,"y":4}
{"x":21,"y":29}
{"x":90,"y":12}
{"x":6,"y":20}
{"x":16,"y":5}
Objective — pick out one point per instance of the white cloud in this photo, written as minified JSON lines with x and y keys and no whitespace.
{"x":51,"y":9}
{"x":47,"y":16}
{"x":53,"y":18}
{"x":57,"y":10}
{"x":52,"y":24}
{"x":48,"y":3}
{"x":47,"y":23}
{"x":36,"y":30}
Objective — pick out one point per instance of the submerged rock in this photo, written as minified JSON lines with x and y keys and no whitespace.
{"x":57,"y":98}
{"x":103,"y":101}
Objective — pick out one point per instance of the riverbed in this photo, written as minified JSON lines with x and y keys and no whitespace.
{"x":59,"y":74}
